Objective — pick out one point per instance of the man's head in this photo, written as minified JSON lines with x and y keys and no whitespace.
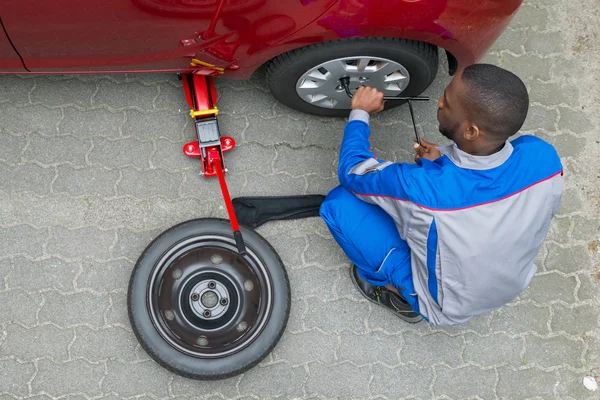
{"x":482,"y":107}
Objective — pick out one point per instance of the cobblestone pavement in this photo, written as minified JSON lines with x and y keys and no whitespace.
{"x":91,"y":170}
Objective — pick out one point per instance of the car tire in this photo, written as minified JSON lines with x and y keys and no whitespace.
{"x":284,"y":71}
{"x":176,"y":262}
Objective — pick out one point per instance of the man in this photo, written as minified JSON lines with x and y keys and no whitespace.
{"x":456,"y":234}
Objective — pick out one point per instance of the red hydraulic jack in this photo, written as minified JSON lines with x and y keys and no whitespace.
{"x":201,"y":96}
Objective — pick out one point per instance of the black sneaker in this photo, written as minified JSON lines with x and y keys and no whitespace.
{"x":384,"y":297}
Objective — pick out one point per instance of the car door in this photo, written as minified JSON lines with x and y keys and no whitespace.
{"x":9,"y":59}
{"x":148,"y":35}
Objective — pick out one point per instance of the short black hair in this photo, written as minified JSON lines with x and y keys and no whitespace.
{"x":496,"y":100}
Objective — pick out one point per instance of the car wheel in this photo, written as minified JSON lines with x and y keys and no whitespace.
{"x":307,"y":79}
{"x":201,"y":310}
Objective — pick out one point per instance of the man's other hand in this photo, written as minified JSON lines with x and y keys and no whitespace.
{"x":367,"y":99}
{"x":426,"y":150}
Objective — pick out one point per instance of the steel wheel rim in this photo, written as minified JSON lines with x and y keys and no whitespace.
{"x":320,"y":85}
{"x":176,"y":297}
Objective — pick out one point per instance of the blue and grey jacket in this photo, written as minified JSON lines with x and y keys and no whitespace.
{"x":474,"y":224}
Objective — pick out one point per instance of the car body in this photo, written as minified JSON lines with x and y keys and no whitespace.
{"x":239,"y":36}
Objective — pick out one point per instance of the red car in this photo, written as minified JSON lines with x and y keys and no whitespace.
{"x":307,"y":45}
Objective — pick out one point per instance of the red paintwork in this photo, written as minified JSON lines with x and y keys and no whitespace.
{"x":192,"y":149}
{"x":202,"y":86}
{"x":88,"y":36}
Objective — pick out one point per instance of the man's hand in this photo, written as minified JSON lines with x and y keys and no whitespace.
{"x":426,"y":150}
{"x":367,"y":99}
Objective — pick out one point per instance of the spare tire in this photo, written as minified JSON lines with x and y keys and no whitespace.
{"x":200,"y":309}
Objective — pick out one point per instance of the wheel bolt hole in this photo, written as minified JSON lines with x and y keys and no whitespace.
{"x":169,"y":315}
{"x":206,"y":314}
{"x":195,"y":297}
{"x":202,"y":341}
{"x":212,"y":285}
{"x":224,"y":301}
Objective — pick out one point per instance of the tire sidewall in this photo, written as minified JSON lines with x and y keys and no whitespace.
{"x":282,"y":81}
{"x":186,"y":365}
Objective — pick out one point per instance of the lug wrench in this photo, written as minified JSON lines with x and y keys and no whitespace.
{"x":345,"y":82}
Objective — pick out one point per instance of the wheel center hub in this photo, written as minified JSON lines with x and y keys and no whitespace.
{"x":209,"y":299}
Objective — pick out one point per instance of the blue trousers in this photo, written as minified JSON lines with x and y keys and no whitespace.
{"x":370,"y":239}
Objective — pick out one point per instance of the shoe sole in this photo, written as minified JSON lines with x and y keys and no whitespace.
{"x":410,"y":320}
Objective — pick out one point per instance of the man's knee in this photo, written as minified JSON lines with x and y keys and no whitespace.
{"x":333,"y":205}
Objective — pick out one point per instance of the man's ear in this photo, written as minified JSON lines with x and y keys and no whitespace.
{"x":471,"y":133}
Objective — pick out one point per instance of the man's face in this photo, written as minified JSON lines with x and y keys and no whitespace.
{"x":451,"y":116}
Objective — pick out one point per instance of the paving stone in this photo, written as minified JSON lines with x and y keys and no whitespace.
{"x":349,"y":315}
{"x":539,"y":117}
{"x":14,"y":89}
{"x":18,"y":306}
{"x":432,"y":349}
{"x":313,"y":281}
{"x":324,"y":134}
{"x":191,"y":389}
{"x":169,"y":156}
{"x":576,"y":320}
{"x":465,"y":382}
{"x":309,"y":160}
{"x":157,"y":124}
{"x":132,"y":244}
{"x":592,"y":356}
{"x":162,"y":213}
{"x":230,"y":126}
{"x":273,"y":380}
{"x":333,"y":382}
{"x":63,"y":92}
{"x":12,"y":147}
{"x":199,"y":187}
{"x":171,"y":95}
{"x":570,"y":202}
{"x":370,"y":348}
{"x":14,"y":376}
{"x":251,"y":157}
{"x":28,"y":119}
{"x":553,"y":352}
{"x":275,"y":130}
{"x":571,"y":259}
{"x":52,"y":273}
{"x":26,"y":178}
{"x":22,"y":240}
{"x":144,"y":184}
{"x":511,"y":40}
{"x":493,"y":350}
{"x":325,"y":252}
{"x":526,"y":383}
{"x":5,"y":270}
{"x":305,"y":347}
{"x":80,"y":243}
{"x":105,"y":277}
{"x":589,"y":288}
{"x":570,"y":386}
{"x":88,"y":124}
{"x":565,"y":68}
{"x":574,"y":121}
{"x":27,"y":344}
{"x":544,"y":43}
{"x":551,"y":94}
{"x":530,"y":17}
{"x":115,"y":213}
{"x":121,"y":153}
{"x":131,"y":379}
{"x":546,"y":288}
{"x":559,"y":229}
{"x":73,"y":309}
{"x":567,"y":145}
{"x":527,"y":66}
{"x":402,"y":381}
{"x":296,"y":319}
{"x":587,"y":229}
{"x":319,"y":185}
{"x":274,"y":185}
{"x":247,"y":102}
{"x":116,"y":314}
{"x":290,"y":250}
{"x":104,"y":344}
{"x":85,"y":181}
{"x":521,"y":318}
{"x":125,"y":96}
{"x":76,"y":376}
